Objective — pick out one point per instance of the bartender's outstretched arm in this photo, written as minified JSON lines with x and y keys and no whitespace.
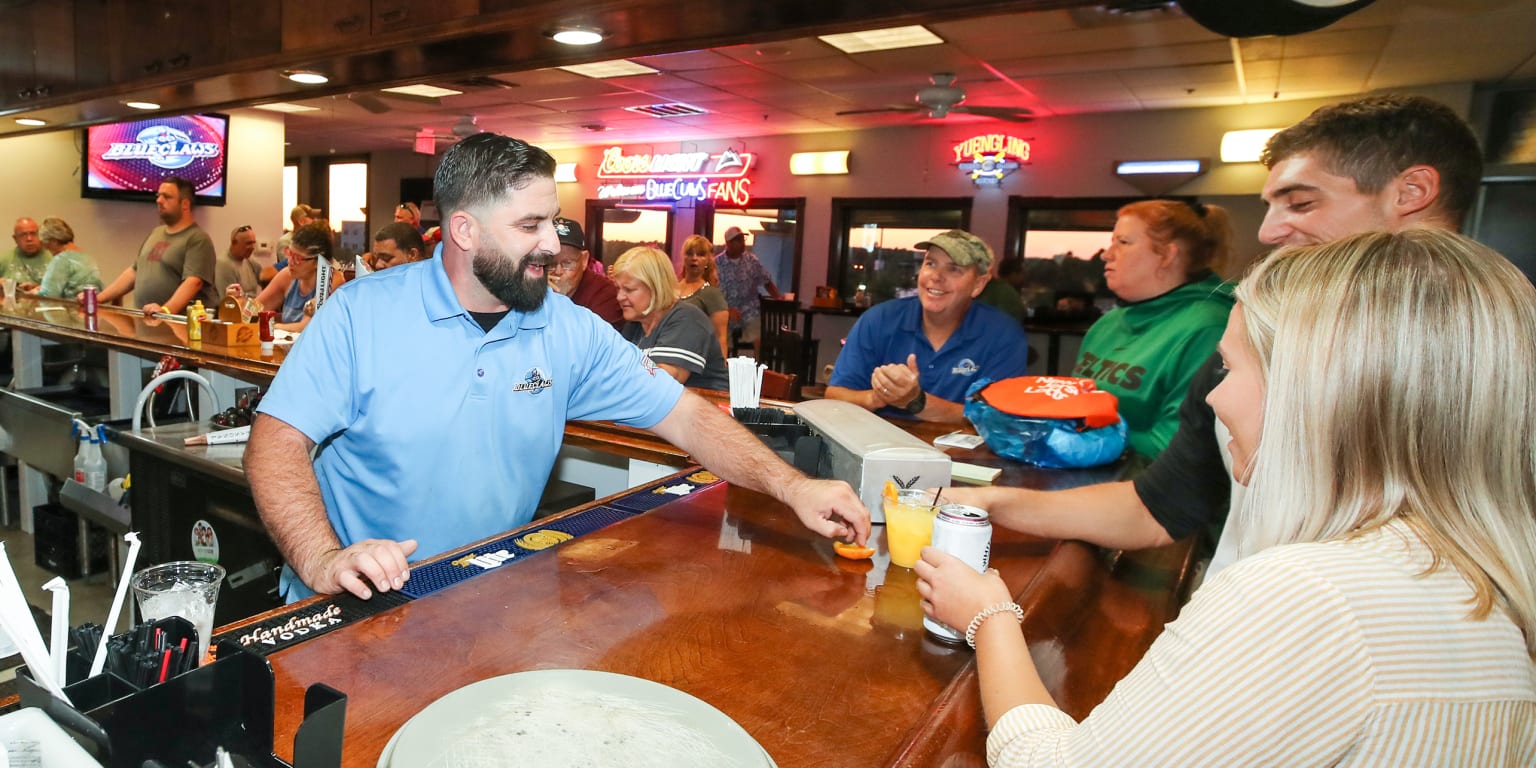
{"x":724,"y":447}
{"x":288,"y":498}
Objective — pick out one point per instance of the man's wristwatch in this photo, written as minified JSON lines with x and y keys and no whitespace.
{"x":918,"y":403}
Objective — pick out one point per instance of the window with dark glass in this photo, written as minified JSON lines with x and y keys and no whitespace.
{"x":872,"y":242}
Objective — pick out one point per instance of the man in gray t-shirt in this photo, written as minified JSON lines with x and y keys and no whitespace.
{"x":175,"y":266}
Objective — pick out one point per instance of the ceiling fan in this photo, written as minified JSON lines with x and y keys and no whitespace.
{"x":944,"y":97}
{"x":465,"y":127}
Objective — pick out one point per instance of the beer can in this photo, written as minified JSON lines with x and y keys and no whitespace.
{"x":265,"y":320}
{"x":965,"y":532}
{"x":89,"y":299}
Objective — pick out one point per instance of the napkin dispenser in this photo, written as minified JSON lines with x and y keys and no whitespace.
{"x":865,"y":451}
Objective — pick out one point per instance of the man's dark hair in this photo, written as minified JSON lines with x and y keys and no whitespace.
{"x":314,"y":239}
{"x":184,"y":188}
{"x":405,"y":236}
{"x":1372,"y":140}
{"x":484,"y":168}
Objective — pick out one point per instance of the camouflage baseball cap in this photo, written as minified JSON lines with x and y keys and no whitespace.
{"x":964,"y":249}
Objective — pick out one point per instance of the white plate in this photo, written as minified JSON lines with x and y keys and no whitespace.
{"x":576,"y":712}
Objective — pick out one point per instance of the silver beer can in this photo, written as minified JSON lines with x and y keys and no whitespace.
{"x":965,"y":532}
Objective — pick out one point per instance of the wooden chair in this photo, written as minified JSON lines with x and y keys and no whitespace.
{"x":780,"y":386}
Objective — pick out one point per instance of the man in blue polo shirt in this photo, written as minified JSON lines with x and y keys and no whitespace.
{"x":438,"y":392}
{"x":916,"y":356}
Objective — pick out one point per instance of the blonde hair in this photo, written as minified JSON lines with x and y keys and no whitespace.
{"x":699,"y":243}
{"x":1399,"y":376}
{"x":1203,"y":232}
{"x":652,"y":268}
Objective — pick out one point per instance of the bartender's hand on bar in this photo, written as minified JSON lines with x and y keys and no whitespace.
{"x":152,"y":309}
{"x":377,"y":562}
{"x":830,"y":508}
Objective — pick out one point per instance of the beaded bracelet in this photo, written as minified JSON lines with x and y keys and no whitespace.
{"x":987,"y":613}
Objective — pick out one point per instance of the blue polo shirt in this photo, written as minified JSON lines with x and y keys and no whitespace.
{"x":988,"y":344}
{"x":431,"y":429}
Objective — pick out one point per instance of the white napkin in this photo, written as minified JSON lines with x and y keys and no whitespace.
{"x":746,"y":376}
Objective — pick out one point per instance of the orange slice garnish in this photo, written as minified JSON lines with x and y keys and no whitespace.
{"x":852,"y":551}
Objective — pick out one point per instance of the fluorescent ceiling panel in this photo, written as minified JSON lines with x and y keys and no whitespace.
{"x":882,"y":39}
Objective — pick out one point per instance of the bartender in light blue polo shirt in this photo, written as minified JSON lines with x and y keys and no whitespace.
{"x":438,"y":393}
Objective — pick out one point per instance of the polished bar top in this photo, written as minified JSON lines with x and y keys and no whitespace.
{"x":724,"y":595}
{"x":129,"y":330}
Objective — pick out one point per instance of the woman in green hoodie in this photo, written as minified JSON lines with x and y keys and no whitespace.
{"x":1173,"y":310}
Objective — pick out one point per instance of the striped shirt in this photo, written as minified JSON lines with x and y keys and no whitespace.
{"x":1333,"y":653}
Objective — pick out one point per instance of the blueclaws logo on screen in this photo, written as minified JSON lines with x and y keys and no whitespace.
{"x":163,"y":146}
{"x":533,"y":381}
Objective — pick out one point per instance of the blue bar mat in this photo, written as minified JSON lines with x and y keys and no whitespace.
{"x":509,"y":549}
{"x":651,"y":497}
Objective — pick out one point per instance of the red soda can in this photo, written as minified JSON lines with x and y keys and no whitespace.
{"x":89,"y":299}
{"x":265,"y":320}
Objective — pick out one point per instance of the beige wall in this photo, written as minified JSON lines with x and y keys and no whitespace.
{"x":44,"y":173}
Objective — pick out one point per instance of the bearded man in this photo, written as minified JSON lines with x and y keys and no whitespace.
{"x":438,"y":393}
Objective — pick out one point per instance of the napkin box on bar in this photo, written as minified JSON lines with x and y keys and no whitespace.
{"x":865,"y":451}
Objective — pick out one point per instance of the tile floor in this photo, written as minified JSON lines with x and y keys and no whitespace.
{"x":89,"y":598}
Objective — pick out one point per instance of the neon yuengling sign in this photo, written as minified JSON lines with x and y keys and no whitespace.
{"x":697,"y":176}
{"x":989,"y":157}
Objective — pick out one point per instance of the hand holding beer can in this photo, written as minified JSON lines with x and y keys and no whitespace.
{"x":88,"y":299}
{"x":965,"y":532}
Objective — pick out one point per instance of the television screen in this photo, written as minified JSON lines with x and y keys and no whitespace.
{"x":127,"y":161}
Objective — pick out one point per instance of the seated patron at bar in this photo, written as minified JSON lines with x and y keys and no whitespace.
{"x":237,"y":267}
{"x":409,"y":214}
{"x":439,"y":418}
{"x":1001,"y":295}
{"x":1173,"y":309}
{"x":571,"y":275}
{"x":71,"y":269}
{"x":1385,"y":163}
{"x":698,"y":285}
{"x":396,"y":243}
{"x":292,"y":293}
{"x":1384,"y":611}
{"x":917,"y":356}
{"x":175,"y":263}
{"x":27,"y":262}
{"x":299,"y":216}
{"x":674,"y":335}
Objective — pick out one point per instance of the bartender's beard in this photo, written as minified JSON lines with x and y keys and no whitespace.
{"x":508,"y":281}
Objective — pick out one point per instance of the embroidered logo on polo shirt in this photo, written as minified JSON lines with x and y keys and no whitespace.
{"x":966,"y":367}
{"x":645,"y":362}
{"x":533,"y":381}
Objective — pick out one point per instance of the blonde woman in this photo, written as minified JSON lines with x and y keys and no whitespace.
{"x":1378,"y":391}
{"x":698,"y":285}
{"x":676,"y":336}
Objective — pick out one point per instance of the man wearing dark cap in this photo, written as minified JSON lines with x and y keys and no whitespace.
{"x":917,"y":356}
{"x":570,"y":274}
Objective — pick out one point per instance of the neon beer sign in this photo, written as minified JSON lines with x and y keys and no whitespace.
{"x":989,"y":157}
{"x":700,"y":176}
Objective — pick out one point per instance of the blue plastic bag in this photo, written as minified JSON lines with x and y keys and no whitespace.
{"x":1055,"y":443}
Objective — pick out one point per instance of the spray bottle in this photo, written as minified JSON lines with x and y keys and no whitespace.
{"x":95,"y":463}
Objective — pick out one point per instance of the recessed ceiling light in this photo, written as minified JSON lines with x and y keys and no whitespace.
{"x":283,"y":106}
{"x":30,"y":121}
{"x":141,"y":105}
{"x":882,"y":39}
{"x":577,"y":35}
{"x":615,"y":68}
{"x":306,"y":77}
{"x":423,"y":90}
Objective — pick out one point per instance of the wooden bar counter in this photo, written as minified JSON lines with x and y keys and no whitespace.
{"x":724,"y":595}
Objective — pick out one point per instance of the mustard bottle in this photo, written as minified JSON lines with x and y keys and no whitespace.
{"x":195,"y":315}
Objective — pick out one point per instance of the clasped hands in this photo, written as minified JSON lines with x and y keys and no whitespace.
{"x":895,"y":384}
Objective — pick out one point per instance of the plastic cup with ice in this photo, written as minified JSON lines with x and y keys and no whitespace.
{"x":187,"y":589}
